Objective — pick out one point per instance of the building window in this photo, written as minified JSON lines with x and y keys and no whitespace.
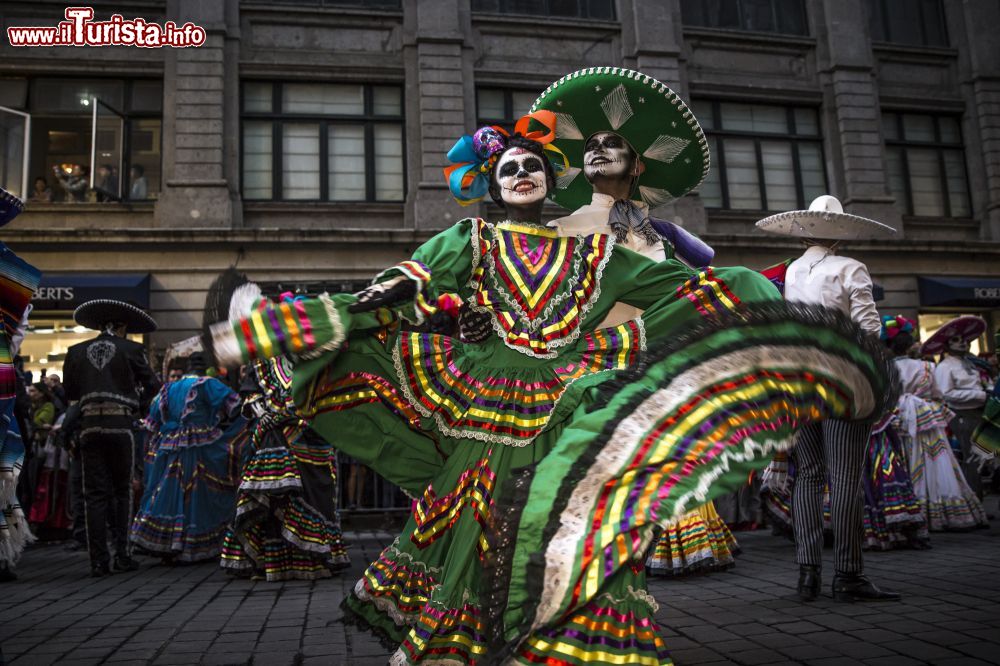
{"x":322,"y":142}
{"x":89,"y":139}
{"x":502,"y":106}
{"x":583,"y":9}
{"x":783,"y":16}
{"x":764,"y":158}
{"x":366,"y":4}
{"x":914,"y":22}
{"x":925,"y":159}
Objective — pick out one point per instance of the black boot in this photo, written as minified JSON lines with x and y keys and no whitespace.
{"x":99,"y":570}
{"x":809,"y":582}
{"x":125,"y":563}
{"x":856,"y":587}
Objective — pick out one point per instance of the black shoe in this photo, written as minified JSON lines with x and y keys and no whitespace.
{"x":7,"y":576}
{"x":809,"y":582}
{"x":99,"y":570}
{"x":74,"y":547}
{"x":855,"y":587}
{"x":125,"y":563}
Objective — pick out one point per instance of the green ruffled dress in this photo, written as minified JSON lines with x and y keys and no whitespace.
{"x":450,"y":423}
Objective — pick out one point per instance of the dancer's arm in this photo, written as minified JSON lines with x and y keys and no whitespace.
{"x":311,"y":326}
{"x":441,"y":265}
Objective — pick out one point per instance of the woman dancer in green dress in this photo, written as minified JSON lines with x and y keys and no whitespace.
{"x":450,"y":423}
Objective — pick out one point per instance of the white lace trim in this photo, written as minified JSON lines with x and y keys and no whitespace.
{"x":402,"y":378}
{"x":585,"y":307}
{"x":561,"y":551}
{"x":633,"y":595}
{"x":338,"y":335}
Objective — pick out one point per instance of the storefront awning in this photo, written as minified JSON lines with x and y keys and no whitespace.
{"x":66,"y":291}
{"x":964,"y":291}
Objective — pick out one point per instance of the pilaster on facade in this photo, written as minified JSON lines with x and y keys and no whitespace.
{"x":847,"y":76}
{"x":973,"y":24}
{"x":436,"y":106}
{"x":196,"y":192}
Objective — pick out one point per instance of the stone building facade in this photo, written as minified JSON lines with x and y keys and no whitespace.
{"x":249,"y":149}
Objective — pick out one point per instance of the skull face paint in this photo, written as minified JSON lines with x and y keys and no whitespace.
{"x":607,"y":155}
{"x":958,"y":345}
{"x":521,"y":177}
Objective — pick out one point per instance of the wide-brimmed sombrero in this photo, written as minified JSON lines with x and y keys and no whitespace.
{"x":825,"y":220}
{"x":969,"y":327}
{"x":648,"y":114}
{"x":99,"y":312}
{"x":10,"y":206}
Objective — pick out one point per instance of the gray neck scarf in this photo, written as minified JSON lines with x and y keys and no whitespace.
{"x":626,"y":216}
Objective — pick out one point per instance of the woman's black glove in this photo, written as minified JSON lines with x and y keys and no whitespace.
{"x":474,"y":325}
{"x":384,"y":294}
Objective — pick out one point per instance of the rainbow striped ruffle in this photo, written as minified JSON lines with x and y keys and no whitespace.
{"x":509,"y":406}
{"x":698,"y":541}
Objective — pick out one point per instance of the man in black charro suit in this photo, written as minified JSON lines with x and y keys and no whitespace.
{"x":106,"y":374}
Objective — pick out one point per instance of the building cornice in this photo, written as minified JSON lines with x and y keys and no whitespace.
{"x":163,"y":238}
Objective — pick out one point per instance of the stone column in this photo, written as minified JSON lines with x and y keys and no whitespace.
{"x":436,"y":114}
{"x":196,"y":192}
{"x":853,"y":118}
{"x":971,"y":28}
{"x":651,"y":43}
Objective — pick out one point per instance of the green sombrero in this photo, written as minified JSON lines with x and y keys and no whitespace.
{"x":651,"y":117}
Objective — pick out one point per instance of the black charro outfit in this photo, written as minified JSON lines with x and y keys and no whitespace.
{"x":105,"y":374}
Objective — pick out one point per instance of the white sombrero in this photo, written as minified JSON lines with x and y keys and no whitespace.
{"x":827,"y":220}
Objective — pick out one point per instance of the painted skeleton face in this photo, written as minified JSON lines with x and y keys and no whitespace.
{"x":958,"y":345}
{"x":607,"y":155}
{"x":521,"y":177}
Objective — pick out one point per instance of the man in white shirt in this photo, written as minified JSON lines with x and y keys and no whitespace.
{"x":832,"y":449}
{"x":964,"y":391}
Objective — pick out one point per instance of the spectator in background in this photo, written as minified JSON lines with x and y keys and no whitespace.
{"x":74,"y":184}
{"x":139,"y":189}
{"x":106,"y":183}
{"x":41,"y":192}
{"x":43,"y":413}
{"x":58,"y":392}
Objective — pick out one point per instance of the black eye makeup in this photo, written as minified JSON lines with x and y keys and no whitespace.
{"x":509,"y":169}
{"x":532,"y":165}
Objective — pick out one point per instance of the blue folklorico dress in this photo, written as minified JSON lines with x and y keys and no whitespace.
{"x":191,"y":469}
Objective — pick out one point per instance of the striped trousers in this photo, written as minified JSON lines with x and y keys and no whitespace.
{"x":833,"y":450}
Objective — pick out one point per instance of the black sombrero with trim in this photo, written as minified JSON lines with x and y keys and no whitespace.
{"x":97,"y":313}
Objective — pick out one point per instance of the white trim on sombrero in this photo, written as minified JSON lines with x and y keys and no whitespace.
{"x":136,"y":319}
{"x":826,"y":225}
{"x":656,"y":87}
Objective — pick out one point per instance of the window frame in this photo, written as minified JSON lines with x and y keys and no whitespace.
{"x":939,"y":147}
{"x":508,"y":106}
{"x":127,"y":112}
{"x":368,"y":120}
{"x":583,"y":15}
{"x":774,"y":17}
{"x":882,"y":7}
{"x":793,"y":138}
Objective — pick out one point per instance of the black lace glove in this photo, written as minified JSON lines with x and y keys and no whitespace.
{"x":384,"y":294}
{"x":442,"y":323}
{"x":474,"y":325}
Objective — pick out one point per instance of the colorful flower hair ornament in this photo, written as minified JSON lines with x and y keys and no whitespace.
{"x":473,"y":157}
{"x":893,"y":326}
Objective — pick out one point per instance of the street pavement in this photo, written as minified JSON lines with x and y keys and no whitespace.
{"x":950,"y":614}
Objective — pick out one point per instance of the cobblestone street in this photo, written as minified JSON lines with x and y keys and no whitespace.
{"x":950,"y":614}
